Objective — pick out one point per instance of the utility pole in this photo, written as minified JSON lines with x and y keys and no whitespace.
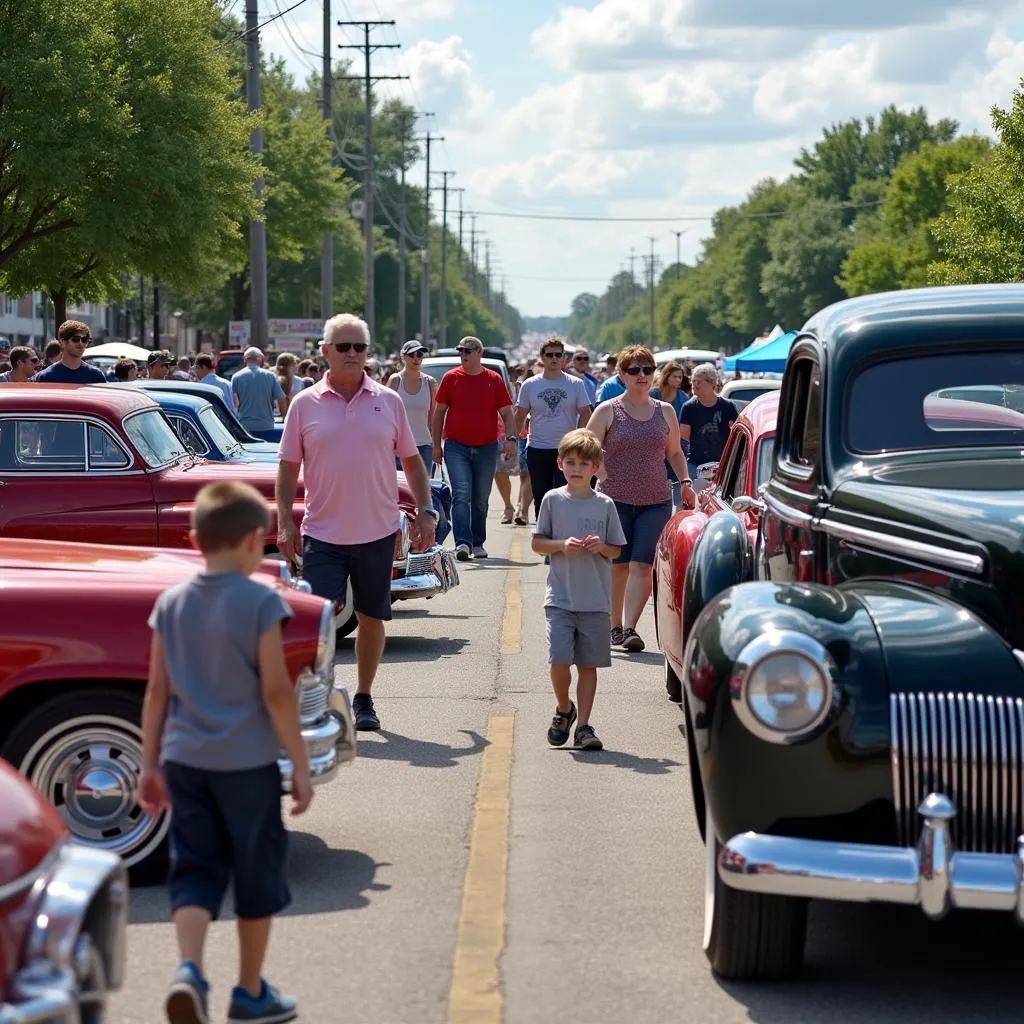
{"x":142,"y":313}
{"x":327,"y":101}
{"x":403,"y":248}
{"x":487,"y":268}
{"x":632,"y":276}
{"x":259,"y":310}
{"x":472,"y":251}
{"x":442,"y":312}
{"x":678,"y":234}
{"x":429,"y":140}
{"x":654,"y":340}
{"x":156,"y":313}
{"x":369,"y":311}
{"x":461,"y":254}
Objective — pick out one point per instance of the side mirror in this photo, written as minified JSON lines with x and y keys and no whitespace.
{"x":744,"y":503}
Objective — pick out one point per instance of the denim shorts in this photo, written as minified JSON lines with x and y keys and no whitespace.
{"x":642,"y":525}
{"x":224,"y":825}
{"x":329,"y":567}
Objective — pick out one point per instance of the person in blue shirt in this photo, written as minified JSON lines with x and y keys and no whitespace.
{"x":74,"y":338}
{"x":205,"y":374}
{"x":611,"y":388}
{"x":256,"y":392}
{"x":581,"y":367}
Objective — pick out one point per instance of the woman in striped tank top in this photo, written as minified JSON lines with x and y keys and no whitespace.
{"x":638,"y":434}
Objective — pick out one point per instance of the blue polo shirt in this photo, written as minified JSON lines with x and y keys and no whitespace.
{"x":256,"y":390}
{"x":58,"y":373}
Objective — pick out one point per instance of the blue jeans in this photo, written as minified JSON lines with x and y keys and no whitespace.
{"x":426,"y":454}
{"x":471,"y":472}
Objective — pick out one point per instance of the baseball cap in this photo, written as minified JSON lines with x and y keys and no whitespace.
{"x":159,"y":357}
{"x":411,"y":347}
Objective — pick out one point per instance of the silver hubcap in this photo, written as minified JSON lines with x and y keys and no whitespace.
{"x":88,"y":768}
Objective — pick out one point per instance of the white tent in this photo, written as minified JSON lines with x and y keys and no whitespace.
{"x":118,"y":350}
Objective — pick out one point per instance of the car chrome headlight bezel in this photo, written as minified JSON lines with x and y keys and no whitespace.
{"x":327,"y":640}
{"x":780,"y":666}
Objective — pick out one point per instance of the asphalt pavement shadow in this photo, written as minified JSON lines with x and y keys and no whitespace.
{"x":420,"y":753}
{"x":322,"y":880}
{"x":877,"y":962}
{"x":644,"y":657}
{"x":619,"y":759}
{"x":402,"y":649}
{"x":491,"y":562}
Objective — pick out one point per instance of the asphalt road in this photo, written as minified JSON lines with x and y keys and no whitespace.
{"x":459,"y":840}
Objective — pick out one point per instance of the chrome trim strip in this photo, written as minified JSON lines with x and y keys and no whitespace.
{"x":790,"y":516}
{"x":959,"y":561}
{"x":42,"y":870}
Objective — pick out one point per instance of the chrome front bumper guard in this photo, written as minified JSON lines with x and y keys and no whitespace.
{"x":330,"y":740}
{"x":931,"y":875}
{"x":424,"y":574}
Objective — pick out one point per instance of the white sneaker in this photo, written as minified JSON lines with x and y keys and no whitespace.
{"x":479,"y":551}
{"x":462,"y":553}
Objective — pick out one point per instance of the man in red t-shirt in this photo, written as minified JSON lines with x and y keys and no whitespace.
{"x":464,"y":415}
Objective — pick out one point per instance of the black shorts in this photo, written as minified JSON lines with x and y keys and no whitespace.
{"x":227,"y":824}
{"x":329,"y":567}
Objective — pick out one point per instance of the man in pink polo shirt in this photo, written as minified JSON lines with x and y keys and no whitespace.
{"x":347,"y":430}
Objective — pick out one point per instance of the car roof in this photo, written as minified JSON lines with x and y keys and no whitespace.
{"x":765,"y":384}
{"x":762,"y":413}
{"x":95,"y":399}
{"x":169,"y":397}
{"x":183,"y":387}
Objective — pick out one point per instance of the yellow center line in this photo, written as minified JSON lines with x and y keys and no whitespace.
{"x":512,"y":620}
{"x":475,"y":996}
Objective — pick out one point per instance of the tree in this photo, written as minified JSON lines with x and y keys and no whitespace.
{"x":121,"y":147}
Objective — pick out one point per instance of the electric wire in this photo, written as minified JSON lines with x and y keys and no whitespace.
{"x":270,"y":20}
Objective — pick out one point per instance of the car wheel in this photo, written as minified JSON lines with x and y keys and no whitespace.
{"x":83,"y":752}
{"x":673,"y":687}
{"x":345,"y":620}
{"x":750,"y":936}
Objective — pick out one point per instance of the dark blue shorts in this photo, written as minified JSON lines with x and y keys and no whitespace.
{"x":642,"y":525}
{"x":327,"y":568}
{"x":227,"y":824}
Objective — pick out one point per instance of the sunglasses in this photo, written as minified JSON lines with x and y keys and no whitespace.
{"x":634,"y":371}
{"x":468,"y":351}
{"x":551,"y":355}
{"x":348,"y":346}
{"x":416,"y":355}
{"x":82,"y":339}
{"x":581,"y":359}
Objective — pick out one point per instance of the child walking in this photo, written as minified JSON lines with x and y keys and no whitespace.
{"x":579,"y":529}
{"x":219,"y":706}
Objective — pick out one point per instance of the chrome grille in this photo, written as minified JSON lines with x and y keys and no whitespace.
{"x":313,"y":702}
{"x":970,"y":748}
{"x":420,"y":563}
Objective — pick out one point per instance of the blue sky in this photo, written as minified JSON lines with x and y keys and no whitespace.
{"x":655,"y":108}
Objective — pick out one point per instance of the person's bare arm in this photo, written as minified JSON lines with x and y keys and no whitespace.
{"x":432,"y":384}
{"x":522,"y":412}
{"x":600,"y":421}
{"x":282,"y":405}
{"x":393,"y":381}
{"x":585,"y":412}
{"x":279,"y":700}
{"x":152,"y":790}
{"x":284,"y":494}
{"x":549,"y":546}
{"x":509,"y":420}
{"x":437,"y":427}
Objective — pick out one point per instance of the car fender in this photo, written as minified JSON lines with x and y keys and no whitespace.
{"x":175,"y":522}
{"x":672,"y":556}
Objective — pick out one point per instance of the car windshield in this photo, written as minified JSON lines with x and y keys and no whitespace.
{"x":943,"y":400}
{"x":154,"y":437}
{"x":765,"y":453}
{"x":746,"y":394}
{"x":222,"y":437}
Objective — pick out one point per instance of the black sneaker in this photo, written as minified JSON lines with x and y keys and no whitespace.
{"x":587,"y":739}
{"x":270,"y":1008}
{"x":187,"y":996}
{"x":631,"y":640}
{"x":362,"y":710}
{"x":616,"y":636}
{"x":558,"y":734}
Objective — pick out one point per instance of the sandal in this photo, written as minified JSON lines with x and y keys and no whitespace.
{"x":506,"y":519}
{"x":521,"y":520}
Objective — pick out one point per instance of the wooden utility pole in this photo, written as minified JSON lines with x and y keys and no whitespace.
{"x":327,"y":101}
{"x":258,"y":302}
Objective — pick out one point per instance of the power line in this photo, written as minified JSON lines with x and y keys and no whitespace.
{"x":256,"y":28}
{"x":293,"y":44}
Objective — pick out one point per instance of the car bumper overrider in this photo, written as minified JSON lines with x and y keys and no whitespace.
{"x":328,"y":728}
{"x":931,"y":875}
{"x":75,"y":951}
{"x":424,"y":574}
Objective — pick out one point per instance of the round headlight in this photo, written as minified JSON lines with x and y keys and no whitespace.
{"x":327,"y":640}
{"x":784,"y":686}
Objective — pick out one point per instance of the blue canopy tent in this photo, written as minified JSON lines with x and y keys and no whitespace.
{"x":770,"y":358}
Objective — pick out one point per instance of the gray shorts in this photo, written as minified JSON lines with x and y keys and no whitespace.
{"x":579,"y":638}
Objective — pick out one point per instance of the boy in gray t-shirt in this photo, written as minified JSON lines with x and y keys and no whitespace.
{"x":219,"y":706}
{"x":579,"y":529}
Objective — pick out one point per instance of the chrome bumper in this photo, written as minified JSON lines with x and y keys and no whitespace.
{"x":931,"y":875}
{"x":424,"y":574}
{"x":329,"y":732}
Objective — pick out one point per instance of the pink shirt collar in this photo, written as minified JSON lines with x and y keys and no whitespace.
{"x":322,"y":387}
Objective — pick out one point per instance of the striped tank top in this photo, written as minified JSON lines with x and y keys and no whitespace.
{"x":634,"y":458}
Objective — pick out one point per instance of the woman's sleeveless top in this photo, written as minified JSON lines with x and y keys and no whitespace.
{"x":417,"y":408}
{"x":634,"y":458}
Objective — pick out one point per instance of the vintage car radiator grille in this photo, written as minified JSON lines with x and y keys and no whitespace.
{"x":969,"y":747}
{"x":313,"y":702}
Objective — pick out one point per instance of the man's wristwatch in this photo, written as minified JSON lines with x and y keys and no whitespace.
{"x":432,"y":512}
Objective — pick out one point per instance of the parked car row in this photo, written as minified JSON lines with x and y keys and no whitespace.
{"x":841,"y":621}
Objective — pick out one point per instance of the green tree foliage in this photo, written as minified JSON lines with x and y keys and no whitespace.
{"x":121,"y":146}
{"x":981,"y":233}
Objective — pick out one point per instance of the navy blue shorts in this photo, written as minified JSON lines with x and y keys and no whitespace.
{"x":642,"y":525}
{"x":224,"y":825}
{"x":327,"y":568}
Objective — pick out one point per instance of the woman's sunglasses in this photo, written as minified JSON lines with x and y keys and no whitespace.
{"x":633,"y":371}
{"x":347,"y":346}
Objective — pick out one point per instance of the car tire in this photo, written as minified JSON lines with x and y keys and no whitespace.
{"x":750,"y":936}
{"x":346,"y":626}
{"x":83,"y":752}
{"x":673,"y":686}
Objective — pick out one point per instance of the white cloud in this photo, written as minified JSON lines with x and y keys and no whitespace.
{"x":443,"y":76}
{"x":560,"y":172}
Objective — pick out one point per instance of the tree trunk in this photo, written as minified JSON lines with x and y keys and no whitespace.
{"x":239,"y":294}
{"x":60,"y":309}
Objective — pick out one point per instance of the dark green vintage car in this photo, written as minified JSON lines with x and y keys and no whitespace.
{"x":853,"y":679}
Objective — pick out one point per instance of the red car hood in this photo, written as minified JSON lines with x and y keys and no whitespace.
{"x":29,"y":826}
{"x":164,"y":565}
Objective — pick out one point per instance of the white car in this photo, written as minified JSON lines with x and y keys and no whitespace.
{"x":742,"y":392}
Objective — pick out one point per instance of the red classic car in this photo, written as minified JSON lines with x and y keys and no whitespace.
{"x":63,"y":915}
{"x":745,"y":464}
{"x":103,"y":465}
{"x":74,"y":651}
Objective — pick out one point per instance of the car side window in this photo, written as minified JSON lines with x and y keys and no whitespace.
{"x":804,"y":447}
{"x":104,"y":451}
{"x":189,"y":435}
{"x":735,"y":478}
{"x":56,"y":446}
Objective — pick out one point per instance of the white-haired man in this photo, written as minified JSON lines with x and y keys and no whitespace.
{"x":705,"y":420}
{"x":347,"y":429}
{"x":256,"y":391}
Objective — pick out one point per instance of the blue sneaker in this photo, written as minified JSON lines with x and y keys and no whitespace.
{"x":187,"y":996}
{"x":270,"y":1008}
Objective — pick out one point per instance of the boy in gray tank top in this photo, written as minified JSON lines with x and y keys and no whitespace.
{"x":219,"y":706}
{"x":579,"y":529}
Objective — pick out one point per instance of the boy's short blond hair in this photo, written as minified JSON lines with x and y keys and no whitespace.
{"x":226,"y":513}
{"x":583,"y":444}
